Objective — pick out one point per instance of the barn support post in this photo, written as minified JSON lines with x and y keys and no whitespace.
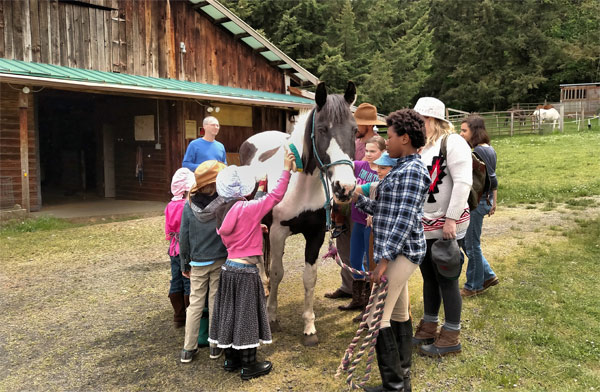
{"x":24,"y":146}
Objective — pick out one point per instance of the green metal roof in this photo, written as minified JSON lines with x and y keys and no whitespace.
{"x":42,"y":74}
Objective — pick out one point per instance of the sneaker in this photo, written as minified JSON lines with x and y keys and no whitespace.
{"x":215,"y":352}
{"x":187,"y":356}
{"x":469,"y":293}
{"x":491,"y":282}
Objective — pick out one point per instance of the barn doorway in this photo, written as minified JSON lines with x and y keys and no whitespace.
{"x":69,"y":147}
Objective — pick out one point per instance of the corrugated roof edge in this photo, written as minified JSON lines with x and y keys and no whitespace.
{"x":22,"y":71}
{"x":233,"y":17}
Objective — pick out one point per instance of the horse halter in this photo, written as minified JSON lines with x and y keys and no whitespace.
{"x":323,"y":169}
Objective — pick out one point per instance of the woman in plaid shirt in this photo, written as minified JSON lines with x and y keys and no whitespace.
{"x":399,"y":245}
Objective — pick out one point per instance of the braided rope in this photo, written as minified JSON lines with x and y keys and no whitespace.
{"x":350,"y":360}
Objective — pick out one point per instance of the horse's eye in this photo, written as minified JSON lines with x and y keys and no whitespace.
{"x":354,"y":130}
{"x":322,"y":129}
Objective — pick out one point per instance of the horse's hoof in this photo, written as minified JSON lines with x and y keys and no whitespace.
{"x":311,"y":340}
{"x":274,"y":325}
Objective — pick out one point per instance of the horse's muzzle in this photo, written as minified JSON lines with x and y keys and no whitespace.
{"x":343,"y":192}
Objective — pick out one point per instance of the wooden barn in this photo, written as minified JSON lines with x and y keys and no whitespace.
{"x":101,"y":97}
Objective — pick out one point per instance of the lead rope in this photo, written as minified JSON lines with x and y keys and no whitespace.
{"x":350,"y":360}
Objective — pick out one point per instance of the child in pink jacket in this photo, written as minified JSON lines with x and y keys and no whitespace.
{"x":239,"y":321}
{"x":179,"y":291}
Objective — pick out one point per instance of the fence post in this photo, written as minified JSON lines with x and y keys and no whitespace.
{"x":512,"y":123}
{"x":561,"y":122}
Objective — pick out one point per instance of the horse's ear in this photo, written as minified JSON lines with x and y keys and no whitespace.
{"x":350,"y":94}
{"x":321,"y":95}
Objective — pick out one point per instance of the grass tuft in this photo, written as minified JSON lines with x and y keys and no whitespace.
{"x":16,"y":226}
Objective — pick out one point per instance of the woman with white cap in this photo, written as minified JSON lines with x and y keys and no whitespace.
{"x":446,"y":216}
{"x":239,"y":321}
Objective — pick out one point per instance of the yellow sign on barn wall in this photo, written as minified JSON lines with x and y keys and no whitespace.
{"x":190,"y":129}
{"x":237,"y":116}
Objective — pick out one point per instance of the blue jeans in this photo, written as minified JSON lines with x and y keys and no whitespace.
{"x":359,"y":247}
{"x":478,"y":269}
{"x":179,"y":282}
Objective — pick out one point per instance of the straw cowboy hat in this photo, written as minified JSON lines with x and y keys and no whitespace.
{"x":431,"y":107}
{"x":206,"y":173}
{"x":366,"y":114}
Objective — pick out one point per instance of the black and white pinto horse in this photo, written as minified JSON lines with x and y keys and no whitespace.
{"x":324,"y":139}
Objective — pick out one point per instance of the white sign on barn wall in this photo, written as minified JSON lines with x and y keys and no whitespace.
{"x":144,"y":128}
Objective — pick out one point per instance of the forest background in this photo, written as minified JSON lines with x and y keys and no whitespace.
{"x":474,"y":55}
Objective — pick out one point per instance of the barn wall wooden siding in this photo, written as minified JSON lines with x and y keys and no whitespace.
{"x":10,"y":158}
{"x":139,"y":37}
{"x":135,"y":37}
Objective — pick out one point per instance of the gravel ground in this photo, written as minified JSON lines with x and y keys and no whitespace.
{"x":86,"y":309}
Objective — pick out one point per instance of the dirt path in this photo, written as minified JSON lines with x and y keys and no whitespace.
{"x":86,"y":309}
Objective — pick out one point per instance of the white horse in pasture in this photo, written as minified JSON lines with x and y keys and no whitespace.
{"x":542,"y":115}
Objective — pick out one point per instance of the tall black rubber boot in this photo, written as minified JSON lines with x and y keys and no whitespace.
{"x":251,"y":368}
{"x":389,"y":363}
{"x":233,"y":360}
{"x":403,"y":333}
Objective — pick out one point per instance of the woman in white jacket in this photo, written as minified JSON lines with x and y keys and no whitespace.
{"x":446,"y":216}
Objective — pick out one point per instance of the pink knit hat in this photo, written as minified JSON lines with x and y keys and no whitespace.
{"x":182,"y":182}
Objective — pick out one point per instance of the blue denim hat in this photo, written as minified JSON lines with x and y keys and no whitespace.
{"x":385,"y":160}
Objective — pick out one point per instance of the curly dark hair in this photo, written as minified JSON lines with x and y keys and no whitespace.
{"x":410,"y":122}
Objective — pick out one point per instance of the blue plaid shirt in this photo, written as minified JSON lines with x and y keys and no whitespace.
{"x":397,"y":211}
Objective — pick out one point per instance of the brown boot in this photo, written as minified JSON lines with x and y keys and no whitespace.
{"x":339,"y":293}
{"x":178,"y":304}
{"x":366,"y":294}
{"x":358,"y":287}
{"x":425,"y":334}
{"x":447,"y":342}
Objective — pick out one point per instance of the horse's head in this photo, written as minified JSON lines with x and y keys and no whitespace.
{"x":330,"y":131}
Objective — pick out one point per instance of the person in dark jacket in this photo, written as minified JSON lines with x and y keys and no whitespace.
{"x":480,"y":275}
{"x":202,"y":253}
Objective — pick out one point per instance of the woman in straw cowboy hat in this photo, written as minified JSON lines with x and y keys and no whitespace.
{"x":446,"y":216}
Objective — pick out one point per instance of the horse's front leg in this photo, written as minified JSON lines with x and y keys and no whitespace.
{"x":277,"y":236}
{"x":310,"y":280}
{"x":314,"y":240}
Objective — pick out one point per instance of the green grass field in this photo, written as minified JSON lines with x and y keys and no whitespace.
{"x":550,"y":168}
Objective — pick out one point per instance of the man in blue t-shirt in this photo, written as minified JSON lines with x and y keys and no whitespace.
{"x":206,"y":148}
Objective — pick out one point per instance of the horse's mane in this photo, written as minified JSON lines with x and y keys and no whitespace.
{"x":336,"y":109}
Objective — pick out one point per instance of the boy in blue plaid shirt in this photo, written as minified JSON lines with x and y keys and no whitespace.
{"x":399,"y":242}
